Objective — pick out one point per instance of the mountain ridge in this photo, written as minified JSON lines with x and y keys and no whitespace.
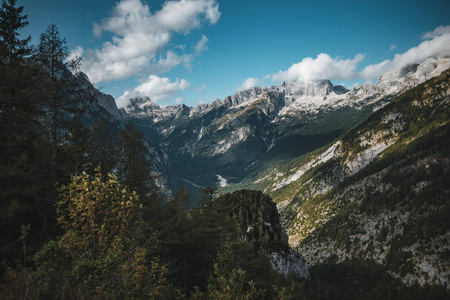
{"x":396,"y":81}
{"x":254,"y":129}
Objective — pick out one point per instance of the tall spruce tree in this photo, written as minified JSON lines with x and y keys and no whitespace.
{"x":12,"y":48}
{"x":64,"y":95}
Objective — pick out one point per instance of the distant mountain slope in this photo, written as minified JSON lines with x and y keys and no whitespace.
{"x":380,"y":192}
{"x":104,"y":106}
{"x":260,"y":128}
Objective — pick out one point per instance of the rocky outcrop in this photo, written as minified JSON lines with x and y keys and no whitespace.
{"x":290,"y":264}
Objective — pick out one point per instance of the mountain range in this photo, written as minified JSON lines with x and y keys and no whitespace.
{"x":253,"y":130}
{"x":357,"y":175}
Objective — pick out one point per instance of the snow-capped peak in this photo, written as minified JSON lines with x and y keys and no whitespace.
{"x":303,"y":96}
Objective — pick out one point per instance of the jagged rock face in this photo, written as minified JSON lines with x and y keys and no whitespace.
{"x":101,"y":103}
{"x":145,"y":107}
{"x":244,"y":97}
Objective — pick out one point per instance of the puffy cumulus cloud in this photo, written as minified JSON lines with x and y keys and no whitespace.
{"x":138,"y":35}
{"x":436,"y":44}
{"x":321,"y":67}
{"x":156,"y":88}
{"x":438,"y":31}
{"x":248,"y":84}
{"x":184,"y":15}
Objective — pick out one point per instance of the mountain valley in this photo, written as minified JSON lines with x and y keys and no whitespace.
{"x":357,"y":174}
{"x":378,"y":193}
{"x":254,"y":130}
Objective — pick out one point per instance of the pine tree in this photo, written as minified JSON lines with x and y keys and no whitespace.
{"x":228,"y":281}
{"x":206,"y":196}
{"x":12,"y":20}
{"x":181,"y":198}
{"x":64,"y":94}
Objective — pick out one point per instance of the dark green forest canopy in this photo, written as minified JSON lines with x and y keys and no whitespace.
{"x":258,"y":218}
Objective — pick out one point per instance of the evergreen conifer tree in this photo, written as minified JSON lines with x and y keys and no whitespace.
{"x":64,"y":94}
{"x":12,"y":20}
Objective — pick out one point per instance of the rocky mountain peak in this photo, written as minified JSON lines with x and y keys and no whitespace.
{"x":339,"y":89}
{"x":139,"y":105}
{"x":413,"y":74}
{"x":292,"y":96}
{"x":244,"y":97}
{"x":99,"y":100}
{"x":316,"y":88}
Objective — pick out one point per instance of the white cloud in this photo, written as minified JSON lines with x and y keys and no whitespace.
{"x":178,"y":100}
{"x":185,"y":15}
{"x":438,"y":31}
{"x":156,"y":88}
{"x":322,"y":67}
{"x":392,"y":47}
{"x":77,"y":52}
{"x":437,"y":44}
{"x":201,"y":45}
{"x":248,"y":84}
{"x":138,"y":35}
{"x":163,"y":65}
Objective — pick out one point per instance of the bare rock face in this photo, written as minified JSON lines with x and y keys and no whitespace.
{"x":290,"y":263}
{"x":101,"y":101}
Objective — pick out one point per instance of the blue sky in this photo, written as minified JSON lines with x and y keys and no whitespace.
{"x":194,"y":51}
